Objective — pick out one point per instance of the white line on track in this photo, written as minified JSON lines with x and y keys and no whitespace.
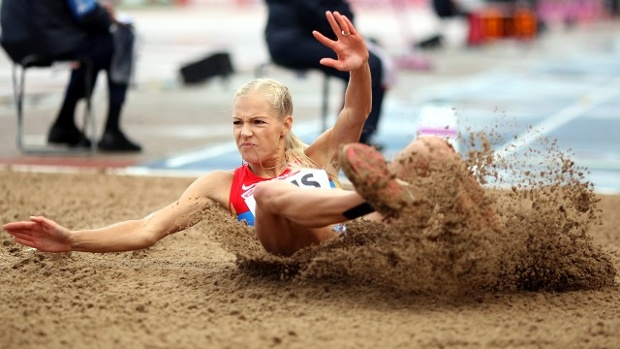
{"x":588,"y":101}
{"x":202,"y":154}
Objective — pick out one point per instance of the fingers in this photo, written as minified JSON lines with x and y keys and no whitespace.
{"x":22,"y":232}
{"x":349,"y":25}
{"x":41,"y":233}
{"x":332,"y":22}
{"x":323,"y":39}
{"x":45,"y":223}
{"x":14,"y":226}
{"x":340,"y":24}
{"x":37,"y":219}
{"x":24,"y":238}
{"x":25,"y":229}
{"x":329,"y":62}
{"x":24,"y":225}
{"x":349,"y":45}
{"x":345,"y":24}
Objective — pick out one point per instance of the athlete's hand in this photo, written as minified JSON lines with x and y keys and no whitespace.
{"x":41,"y":233}
{"x":350,"y":47}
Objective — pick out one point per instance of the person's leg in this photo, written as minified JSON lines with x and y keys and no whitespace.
{"x":99,"y":50}
{"x":419,"y":156}
{"x":430,"y":154}
{"x":118,"y":78}
{"x":73,"y":93}
{"x":64,"y":129}
{"x":113,"y":139}
{"x":289,"y":218}
{"x":389,"y":187}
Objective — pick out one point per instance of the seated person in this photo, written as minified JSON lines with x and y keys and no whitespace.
{"x":288,"y":34}
{"x":62,"y":29}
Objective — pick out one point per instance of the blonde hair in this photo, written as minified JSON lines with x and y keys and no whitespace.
{"x":279,"y":98}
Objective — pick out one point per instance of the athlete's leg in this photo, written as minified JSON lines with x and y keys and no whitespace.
{"x":289,"y":218}
{"x":420,"y":156}
{"x":429,"y":154}
{"x":391,"y":186}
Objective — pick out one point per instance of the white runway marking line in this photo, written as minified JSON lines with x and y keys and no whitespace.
{"x":210,"y":152}
{"x":573,"y":111}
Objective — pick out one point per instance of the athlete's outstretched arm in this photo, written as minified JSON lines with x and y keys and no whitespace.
{"x":352,"y":56}
{"x":48,"y":236}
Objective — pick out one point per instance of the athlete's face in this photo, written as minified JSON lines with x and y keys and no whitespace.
{"x":259,"y":133}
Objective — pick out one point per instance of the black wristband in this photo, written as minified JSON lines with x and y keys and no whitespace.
{"x":358,"y":211}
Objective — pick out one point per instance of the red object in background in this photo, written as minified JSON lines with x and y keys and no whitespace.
{"x":475,"y":36}
{"x":524,"y":23}
{"x":494,"y":24}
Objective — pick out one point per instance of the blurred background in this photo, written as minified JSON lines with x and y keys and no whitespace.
{"x":525,"y":70}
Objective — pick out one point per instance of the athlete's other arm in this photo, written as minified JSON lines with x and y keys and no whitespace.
{"x":352,"y":56}
{"x":48,"y":236}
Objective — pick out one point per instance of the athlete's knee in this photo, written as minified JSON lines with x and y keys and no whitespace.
{"x":423,"y":154}
{"x":269,"y":194}
{"x":432,"y":146}
{"x":263,"y":191}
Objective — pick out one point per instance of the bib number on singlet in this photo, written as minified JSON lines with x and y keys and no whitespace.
{"x":304,"y":178}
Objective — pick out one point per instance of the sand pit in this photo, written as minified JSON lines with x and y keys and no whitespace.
{"x":544,"y":276}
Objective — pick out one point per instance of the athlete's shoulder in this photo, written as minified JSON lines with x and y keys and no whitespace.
{"x":214,"y":185}
{"x":215,"y":179}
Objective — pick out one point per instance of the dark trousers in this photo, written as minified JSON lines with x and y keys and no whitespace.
{"x":99,"y":49}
